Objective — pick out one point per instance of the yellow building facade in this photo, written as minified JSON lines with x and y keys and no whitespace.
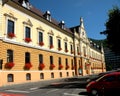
{"x":35,"y":47}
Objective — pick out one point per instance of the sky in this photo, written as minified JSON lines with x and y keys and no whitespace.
{"x":93,"y":12}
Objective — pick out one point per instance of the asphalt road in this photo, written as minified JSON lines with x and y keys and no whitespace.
{"x":63,"y":87}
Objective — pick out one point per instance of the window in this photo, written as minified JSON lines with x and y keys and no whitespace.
{"x":67,"y":73}
{"x":109,"y":78}
{"x":10,"y":78}
{"x":40,"y":59}
{"x":71,"y":49}
{"x":65,"y":45}
{"x":66,"y":49}
{"x":72,"y":64}
{"x":27,"y":57}
{"x":1,"y":62}
{"x":60,"y":74}
{"x":40,"y":37}
{"x":27,"y":32}
{"x":66,"y":61}
{"x":78,"y":50}
{"x":9,"y":56}
{"x":50,"y":40}
{"x":28,"y":76}
{"x":84,"y":50}
{"x":51,"y":59}
{"x":59,"y":43}
{"x":52,"y":75}
{"x":59,"y":60}
{"x":10,"y":27}
{"x":41,"y":75}
{"x":73,"y":73}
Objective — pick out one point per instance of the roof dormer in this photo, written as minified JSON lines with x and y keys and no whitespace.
{"x":62,"y":23}
{"x":25,"y":3}
{"x":47,"y":15}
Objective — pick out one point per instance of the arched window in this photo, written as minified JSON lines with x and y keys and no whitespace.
{"x":67,"y":73}
{"x":52,"y":75}
{"x":28,"y":76}
{"x":10,"y":78}
{"x":9,"y":55}
{"x":60,"y":74}
{"x":27,"y":57}
{"x":41,"y":75}
{"x":40,"y":58}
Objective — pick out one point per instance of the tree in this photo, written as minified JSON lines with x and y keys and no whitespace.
{"x":113,"y":30}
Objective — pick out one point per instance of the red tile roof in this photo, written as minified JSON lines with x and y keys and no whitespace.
{"x":41,"y":14}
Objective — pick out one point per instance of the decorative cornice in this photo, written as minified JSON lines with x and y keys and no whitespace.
{"x":40,"y":28}
{"x":28,"y":22}
{"x":65,"y":39}
{"x":10,"y":15}
{"x":58,"y":37}
{"x":51,"y":32}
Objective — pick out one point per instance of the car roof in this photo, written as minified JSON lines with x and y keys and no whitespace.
{"x":103,"y":73}
{"x":112,"y":73}
{"x":108,"y":74}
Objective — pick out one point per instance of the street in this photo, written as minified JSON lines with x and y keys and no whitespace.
{"x":67,"y":87}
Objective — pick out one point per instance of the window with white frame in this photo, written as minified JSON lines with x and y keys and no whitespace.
{"x":10,"y":25}
{"x":10,"y":78}
{"x":51,"y":41}
{"x":66,"y":47}
{"x":10,"y":29}
{"x":27,"y":34}
{"x":40,"y":37}
{"x":59,"y":44}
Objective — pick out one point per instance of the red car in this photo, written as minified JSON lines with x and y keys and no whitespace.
{"x":106,"y":85}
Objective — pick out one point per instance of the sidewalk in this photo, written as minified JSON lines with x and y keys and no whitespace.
{"x":43,"y":83}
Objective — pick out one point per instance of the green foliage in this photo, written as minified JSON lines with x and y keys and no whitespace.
{"x":113,"y":29}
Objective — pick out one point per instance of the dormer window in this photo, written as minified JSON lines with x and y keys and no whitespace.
{"x":25,"y":3}
{"x":47,"y":15}
{"x":62,"y":23}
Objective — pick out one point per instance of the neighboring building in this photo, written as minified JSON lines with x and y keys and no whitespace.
{"x":34,"y":46}
{"x":112,"y":59}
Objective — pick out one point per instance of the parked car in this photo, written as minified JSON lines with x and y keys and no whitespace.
{"x":94,"y":77}
{"x":106,"y":85}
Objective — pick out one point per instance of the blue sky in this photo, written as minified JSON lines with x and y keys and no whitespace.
{"x":94,"y":13}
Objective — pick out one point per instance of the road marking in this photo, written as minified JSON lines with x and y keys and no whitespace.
{"x":34,"y":88}
{"x":18,"y":91}
{"x":68,"y":94}
{"x":52,"y":90}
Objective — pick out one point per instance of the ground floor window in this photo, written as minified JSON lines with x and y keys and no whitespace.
{"x":10,"y":77}
{"x":67,"y":73}
{"x":28,"y":76}
{"x":60,"y":74}
{"x":52,"y":75}
{"x":41,"y":75}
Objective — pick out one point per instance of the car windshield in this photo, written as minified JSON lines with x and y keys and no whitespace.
{"x":98,"y":79}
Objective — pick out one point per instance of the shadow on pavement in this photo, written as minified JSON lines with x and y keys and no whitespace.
{"x":65,"y":85}
{"x":83,"y":93}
